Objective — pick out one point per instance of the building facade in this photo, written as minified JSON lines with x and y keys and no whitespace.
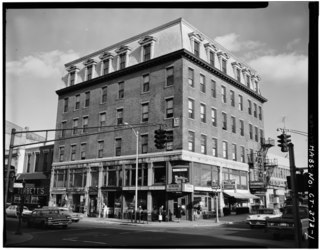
{"x":208,"y":102}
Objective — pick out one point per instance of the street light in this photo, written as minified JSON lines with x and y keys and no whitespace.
{"x":136,"y":133}
{"x":215,"y":187}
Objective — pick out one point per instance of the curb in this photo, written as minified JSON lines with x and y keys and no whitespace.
{"x":13,"y":239}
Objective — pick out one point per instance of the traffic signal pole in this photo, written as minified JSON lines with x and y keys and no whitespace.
{"x":297,"y":226}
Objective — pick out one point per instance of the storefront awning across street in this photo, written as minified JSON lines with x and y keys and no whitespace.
{"x":32,"y":176}
{"x":241,"y":195}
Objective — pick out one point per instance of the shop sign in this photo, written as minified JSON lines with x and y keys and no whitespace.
{"x":229,"y":184}
{"x":174,"y":188}
{"x":256,"y":185}
{"x":186,"y":187}
{"x":17,"y":185}
{"x":32,"y":191}
{"x":93,"y":190}
{"x":179,"y":169}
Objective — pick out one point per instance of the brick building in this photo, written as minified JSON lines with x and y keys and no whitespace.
{"x":208,"y":101}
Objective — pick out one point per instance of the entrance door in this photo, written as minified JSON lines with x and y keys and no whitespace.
{"x":182,"y":201}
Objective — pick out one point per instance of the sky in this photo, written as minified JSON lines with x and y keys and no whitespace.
{"x":272,"y":40}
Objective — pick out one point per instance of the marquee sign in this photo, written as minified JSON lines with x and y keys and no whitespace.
{"x":174,"y":187}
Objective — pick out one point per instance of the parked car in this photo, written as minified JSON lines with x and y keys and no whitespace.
{"x":75,"y":217}
{"x":284,"y":225}
{"x":259,"y":219}
{"x":13,"y":211}
{"x":46,"y":217}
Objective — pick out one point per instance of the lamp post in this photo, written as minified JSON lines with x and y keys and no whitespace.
{"x":136,"y":133}
{"x":215,"y":187}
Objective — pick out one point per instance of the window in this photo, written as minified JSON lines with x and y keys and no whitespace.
{"x":145,"y":83}
{"x":223,"y":94}
{"x":249,"y":107}
{"x":100,"y":149}
{"x":118,"y":146}
{"x":144,"y":144}
{"x":255,"y":110}
{"x":122,"y":58}
{"x":106,"y":66}
{"x":73,"y":152}
{"x":72,"y":78}
{"x":202,"y":84}
{"x":119,"y":116}
{"x":75,"y":126}
{"x":238,"y":74}
{"x":211,"y":58}
{"x":145,"y":112}
{"x":255,"y":86}
{"x":256,"y":135}
{"x":261,"y":135}
{"x":232,"y":97}
{"x":196,"y":48}
{"x":159,"y":173}
{"x":241,"y":128}
{"x":169,"y":142}
{"x":224,"y":65}
{"x":233,"y":124}
{"x":250,"y":131}
{"x":120,"y":90}
{"x":242,"y":154}
{"x":78,"y":177}
{"x":260,"y":113}
{"x":214,"y":117}
{"x":102,"y":119}
{"x":37,"y":160}
{"x":240,"y":103}
{"x":224,"y":121}
{"x":89,"y":72}
{"x":85,"y":124}
{"x":170,"y":78}
{"x":169,"y":108}
{"x":77,"y":105}
{"x":203,"y":113}
{"x":191,"y":77}
{"x":147,"y":52}
{"x":214,"y":147}
{"x":191,"y":141}
{"x":87,"y":99}
{"x":83,"y":147}
{"x":104,"y":94}
{"x":66,"y":104}
{"x":248,"y":81}
{"x":61,"y":153}
{"x":225,"y":150}
{"x":28,"y":163}
{"x":63,"y":127}
{"x":234,"y":152}
{"x":213,"y":89}
{"x":191,"y":108}
{"x":203,"y":144}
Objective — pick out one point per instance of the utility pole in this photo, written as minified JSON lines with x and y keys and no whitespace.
{"x":13,"y":133}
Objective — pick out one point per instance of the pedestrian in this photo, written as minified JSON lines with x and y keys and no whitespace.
{"x":105,"y":210}
{"x":139,"y":213}
{"x":178,"y":214}
{"x":160,"y":213}
{"x":170,"y":215}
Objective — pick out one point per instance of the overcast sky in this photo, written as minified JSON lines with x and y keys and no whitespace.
{"x":274,"y":41}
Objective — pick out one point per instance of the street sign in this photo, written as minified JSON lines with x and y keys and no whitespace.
{"x":17,"y":185}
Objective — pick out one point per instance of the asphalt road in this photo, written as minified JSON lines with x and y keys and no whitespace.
{"x":88,"y":234}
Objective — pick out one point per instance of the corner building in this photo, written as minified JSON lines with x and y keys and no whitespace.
{"x":207,"y":100}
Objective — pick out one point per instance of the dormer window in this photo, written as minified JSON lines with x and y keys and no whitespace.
{"x":248,"y":81}
{"x":254,"y":79}
{"x":211,"y":51}
{"x":237,"y":70}
{"x":223,"y":57}
{"x":224,"y":65}
{"x":72,"y":77}
{"x":147,"y":44}
{"x":106,"y":59}
{"x":196,"y":39}
{"x":123,"y":57}
{"x":89,"y":73}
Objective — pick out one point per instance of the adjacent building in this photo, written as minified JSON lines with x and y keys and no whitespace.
{"x":173,"y":76}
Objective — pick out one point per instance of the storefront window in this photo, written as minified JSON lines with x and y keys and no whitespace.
{"x":244,"y":180}
{"x":159,"y":170}
{"x":78,"y":177}
{"x":111,"y":176}
{"x":94,"y":177}
{"x":205,"y":176}
{"x":60,"y":180}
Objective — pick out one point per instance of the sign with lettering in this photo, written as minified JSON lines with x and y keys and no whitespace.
{"x":17,"y":185}
{"x":174,"y":187}
{"x":229,"y":184}
{"x":187,"y":187}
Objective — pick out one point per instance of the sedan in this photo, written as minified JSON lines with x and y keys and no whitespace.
{"x":259,"y":219}
{"x":75,"y":217}
{"x":13,"y":211}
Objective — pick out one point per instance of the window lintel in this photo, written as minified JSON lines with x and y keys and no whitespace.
{"x":197,"y":36}
{"x":106,"y":55}
{"x":147,"y":39}
{"x":89,"y":62}
{"x":123,"y":49}
{"x":211,"y":47}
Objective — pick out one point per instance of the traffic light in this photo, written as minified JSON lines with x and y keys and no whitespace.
{"x":160,"y":138}
{"x":283,"y":141}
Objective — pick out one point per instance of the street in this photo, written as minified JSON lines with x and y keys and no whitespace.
{"x":89,"y":234}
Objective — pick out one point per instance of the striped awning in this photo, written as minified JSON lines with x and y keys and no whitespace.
{"x":242,"y":196}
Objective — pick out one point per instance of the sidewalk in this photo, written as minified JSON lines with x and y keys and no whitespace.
{"x":13,"y":238}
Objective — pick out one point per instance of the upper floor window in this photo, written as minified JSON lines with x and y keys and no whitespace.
{"x":121,"y":90}
{"x":225,"y":150}
{"x":122,"y":58}
{"x":106,"y":69}
{"x":211,"y":58}
{"x":255,"y":110}
{"x":102,"y":119}
{"x":191,"y":77}
{"x":145,"y":83}
{"x":75,"y":126}
{"x":224,"y":121}
{"x":203,"y":144}
{"x":196,"y":48}
{"x":77,"y":104}
{"x":240,"y":103}
{"x":232,"y":97}
{"x":191,"y":108}
{"x":242,"y":154}
{"x":202,"y":83}
{"x":63,"y":127}
{"x":249,"y":107}
{"x":28,"y":163}
{"x":234,"y":152}
{"x":147,"y":52}
{"x":256,"y":135}
{"x":248,"y":81}
{"x":118,"y":143}
{"x":241,"y":128}
{"x":260,"y":113}
{"x":85,"y":121}
{"x":144,"y":144}
{"x":233,"y":124}
{"x":147,"y":47}
{"x":104,"y":94}
{"x":238,"y":74}
{"x":214,"y":147}
{"x":61,"y":153}
{"x":119,"y":116}
{"x":223,"y":94}
{"x":169,"y":108}
{"x":87,"y":99}
{"x":214,"y":117}
{"x":224,"y":65}
{"x":250,"y":131}
{"x":213,"y":89}
{"x":72,"y":78}
{"x":203,"y":113}
{"x":66,"y":104}
{"x":191,"y":138}
{"x":89,"y":72}
{"x":145,"y":112}
{"x":170,"y":76}
{"x":100,"y":149}
{"x":73,"y":152}
{"x":261,"y":135}
{"x":83,"y":148}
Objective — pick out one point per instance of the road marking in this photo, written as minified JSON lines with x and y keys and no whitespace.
{"x":86,"y":241}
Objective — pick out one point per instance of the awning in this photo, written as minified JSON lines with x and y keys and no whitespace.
{"x":32,"y":176}
{"x":243,"y":196}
